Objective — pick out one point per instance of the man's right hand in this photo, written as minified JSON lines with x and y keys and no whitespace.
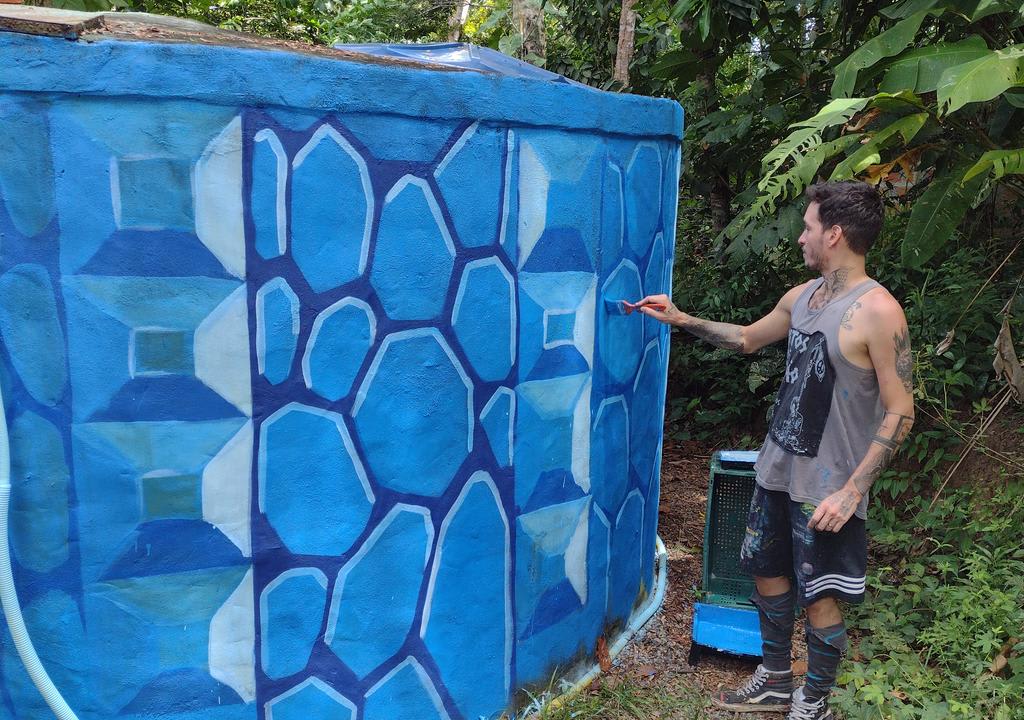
{"x":671,"y":315}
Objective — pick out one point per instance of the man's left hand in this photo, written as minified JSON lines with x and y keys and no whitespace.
{"x":834,"y":511}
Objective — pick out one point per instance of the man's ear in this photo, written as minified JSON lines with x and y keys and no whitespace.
{"x":835,"y":234}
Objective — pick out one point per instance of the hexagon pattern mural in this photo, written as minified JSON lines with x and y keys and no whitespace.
{"x":317,"y":414}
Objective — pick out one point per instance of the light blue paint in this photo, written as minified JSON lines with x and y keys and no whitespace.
{"x":415,"y":388}
{"x":731,"y":630}
{"x":269,"y":172}
{"x":624,"y":576}
{"x":612,"y":216}
{"x":646,"y":418}
{"x":277,"y":329}
{"x":484,"y":318}
{"x":471,"y":177}
{"x":330,"y":220}
{"x":406,"y":692}
{"x":418,"y":139}
{"x":498,"y":420}
{"x":26,"y":174}
{"x":415,"y":254}
{"x":643,"y":197}
{"x":140,"y":180}
{"x":621,"y":336}
{"x":311,"y":699}
{"x":467,"y":626}
{"x":31,"y":331}
{"x":370,"y":619}
{"x":550,"y":442}
{"x":291,"y":609}
{"x":609,"y":454}
{"x":654,"y":283}
{"x":313,"y":488}
{"x":292,"y":80}
{"x":39,"y":517}
{"x":342,"y":336}
{"x":559,"y":327}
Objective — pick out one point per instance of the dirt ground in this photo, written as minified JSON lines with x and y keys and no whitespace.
{"x":661,"y":658}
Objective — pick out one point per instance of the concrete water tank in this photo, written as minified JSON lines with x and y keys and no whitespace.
{"x":316,"y":404}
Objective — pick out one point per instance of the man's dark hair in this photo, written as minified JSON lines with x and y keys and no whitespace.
{"x":854,"y":206}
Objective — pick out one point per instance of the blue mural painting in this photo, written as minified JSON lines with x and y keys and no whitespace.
{"x":316,"y":405}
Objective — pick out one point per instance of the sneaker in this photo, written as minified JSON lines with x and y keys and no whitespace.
{"x":765,"y":691}
{"x":805,"y":709}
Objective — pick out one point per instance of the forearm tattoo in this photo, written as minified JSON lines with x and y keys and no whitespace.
{"x":904,"y":361}
{"x":719,"y":334}
{"x":891,"y":433}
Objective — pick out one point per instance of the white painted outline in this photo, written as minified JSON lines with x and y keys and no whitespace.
{"x":652,"y":346}
{"x":463,"y":281}
{"x":261,"y":319}
{"x":339,"y":422}
{"x":425,"y":682}
{"x":618,"y":522}
{"x":511,"y":418}
{"x":428,"y":195}
{"x":312,"y":572}
{"x":270,"y":138}
{"x":478,"y":477}
{"x":652,"y":265}
{"x":371,"y":374}
{"x":307,"y":373}
{"x":456,"y":148}
{"x":623,"y":266}
{"x":607,"y":554}
{"x":571,"y":340}
{"x":364,"y":176}
{"x":319,"y":685}
{"x":620,"y":239}
{"x":371,"y":541}
{"x":510,"y":144}
{"x":660,"y":190}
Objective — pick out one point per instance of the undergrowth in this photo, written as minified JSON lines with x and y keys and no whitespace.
{"x":628,"y":699}
{"x":941,"y":634}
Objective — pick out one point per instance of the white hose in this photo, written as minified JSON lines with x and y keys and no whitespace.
{"x":636,"y":624}
{"x":9,"y":595}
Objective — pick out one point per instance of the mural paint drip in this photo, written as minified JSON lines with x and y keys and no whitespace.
{"x":309,"y":426}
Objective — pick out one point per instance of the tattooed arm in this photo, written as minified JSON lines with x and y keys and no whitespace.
{"x":888,"y":346}
{"x":741,"y":338}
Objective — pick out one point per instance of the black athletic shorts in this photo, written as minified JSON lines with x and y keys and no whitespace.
{"x":778,"y":543}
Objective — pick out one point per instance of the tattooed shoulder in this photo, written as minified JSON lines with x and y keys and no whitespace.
{"x":848,"y":315}
{"x":904,"y":360}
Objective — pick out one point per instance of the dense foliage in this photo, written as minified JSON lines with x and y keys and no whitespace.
{"x":924,"y":99}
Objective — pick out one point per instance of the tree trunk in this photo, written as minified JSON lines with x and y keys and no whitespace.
{"x":458,"y":20}
{"x":624,"y":50}
{"x":528,"y":16}
{"x":719,"y":199}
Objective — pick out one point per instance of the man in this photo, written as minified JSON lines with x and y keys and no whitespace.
{"x":844,"y":407}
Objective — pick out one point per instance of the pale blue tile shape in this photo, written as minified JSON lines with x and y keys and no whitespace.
{"x":26,"y":174}
{"x":643,"y":196}
{"x":332,"y":208}
{"x":277,"y":329}
{"x":341,"y":337}
{"x":470,"y":178}
{"x":268,"y":208}
{"x":484,"y":318}
{"x":414,"y":255}
{"x":291,"y":611}
{"x":312,"y":698}
{"x":370,"y":619}
{"x":609,"y":454}
{"x":405,"y":692}
{"x":498,"y":420}
{"x":31,"y":331}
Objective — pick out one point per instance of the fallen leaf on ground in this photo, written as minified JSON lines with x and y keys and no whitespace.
{"x":604,"y":658}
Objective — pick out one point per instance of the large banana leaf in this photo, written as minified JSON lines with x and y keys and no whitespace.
{"x":869,"y":153}
{"x":919,"y":70}
{"x":936,"y":215}
{"x":838,"y":111}
{"x":981,"y":79}
{"x":891,"y":42}
{"x":999,"y":162}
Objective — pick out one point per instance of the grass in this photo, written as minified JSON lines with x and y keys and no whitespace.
{"x":627,"y":699}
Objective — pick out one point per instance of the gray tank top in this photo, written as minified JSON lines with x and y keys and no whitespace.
{"x":827,"y":409}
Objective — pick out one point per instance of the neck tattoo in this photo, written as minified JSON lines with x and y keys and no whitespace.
{"x":835,"y":284}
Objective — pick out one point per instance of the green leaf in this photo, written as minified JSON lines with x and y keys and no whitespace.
{"x":837,"y":111}
{"x":906,"y":8}
{"x":936,"y":215}
{"x":992,"y":7}
{"x":891,"y":42}
{"x":493,"y":19}
{"x":981,"y":79}
{"x":919,"y":70}
{"x":868,"y":153}
{"x":1000,"y":162}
